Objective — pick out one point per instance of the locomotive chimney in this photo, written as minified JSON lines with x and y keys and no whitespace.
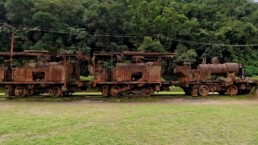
{"x":214,"y":60}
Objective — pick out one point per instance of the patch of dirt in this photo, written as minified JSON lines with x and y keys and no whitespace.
{"x":174,"y":99}
{"x":191,"y":101}
{"x":3,"y":138}
{"x":210,"y":101}
{"x":6,"y":106}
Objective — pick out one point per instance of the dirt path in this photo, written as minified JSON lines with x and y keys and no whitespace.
{"x":214,"y":102}
{"x":176,"y":99}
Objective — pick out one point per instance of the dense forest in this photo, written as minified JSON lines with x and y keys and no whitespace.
{"x":194,"y":29}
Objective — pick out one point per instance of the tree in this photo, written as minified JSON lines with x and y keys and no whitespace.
{"x":150,"y":45}
{"x":185,"y":55}
{"x":190,"y":27}
{"x":19,"y":11}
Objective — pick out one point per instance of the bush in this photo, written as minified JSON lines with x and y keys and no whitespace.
{"x":251,"y":71}
{"x":150,"y":45}
{"x":89,"y":78}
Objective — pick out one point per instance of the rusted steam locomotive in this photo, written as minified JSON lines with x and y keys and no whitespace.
{"x":41,"y":72}
{"x":115,"y":74}
{"x":129,"y":73}
{"x":222,"y":78}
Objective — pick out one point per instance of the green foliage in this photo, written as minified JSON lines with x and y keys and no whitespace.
{"x":44,"y":19}
{"x":49,"y":42}
{"x":88,"y":78}
{"x":185,"y":55}
{"x":150,"y":45}
{"x":251,"y":71}
{"x":2,"y":10}
{"x":109,"y":65}
{"x":19,"y":11}
{"x":122,"y":25}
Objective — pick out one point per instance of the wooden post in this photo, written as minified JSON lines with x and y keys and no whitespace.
{"x":12,"y":47}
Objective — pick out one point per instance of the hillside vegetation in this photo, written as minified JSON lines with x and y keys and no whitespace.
{"x":194,"y":29}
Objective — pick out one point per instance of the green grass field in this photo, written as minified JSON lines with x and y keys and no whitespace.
{"x":176,"y":121}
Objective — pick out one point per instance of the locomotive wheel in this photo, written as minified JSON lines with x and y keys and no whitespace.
{"x":203,"y":90}
{"x":194,"y":91}
{"x":232,"y":90}
{"x":55,"y":91}
{"x":20,"y":91}
{"x":114,"y":91}
{"x":147,"y":91}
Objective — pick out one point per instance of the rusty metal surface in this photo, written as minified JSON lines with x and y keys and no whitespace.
{"x":137,"y":73}
{"x":128,"y":73}
{"x":221,"y":78}
{"x":2,"y":74}
{"x":55,"y":73}
{"x":21,"y":75}
{"x":118,"y":73}
{"x":141,"y":67}
{"x":33,"y":72}
{"x":219,"y":68}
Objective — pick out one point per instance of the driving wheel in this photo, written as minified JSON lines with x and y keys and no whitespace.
{"x":148,"y":91}
{"x":232,"y":90}
{"x":20,"y":91}
{"x":204,"y":90}
{"x":55,"y":91}
{"x":114,"y":91}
